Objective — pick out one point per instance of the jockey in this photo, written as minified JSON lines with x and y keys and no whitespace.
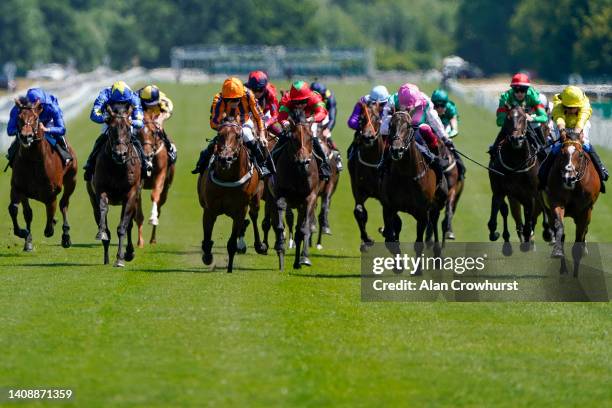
{"x":265,"y":95}
{"x":447,"y":111}
{"x":236,"y":101}
{"x":430,"y":130}
{"x":523,"y":94}
{"x":51,"y":121}
{"x":572,"y":110}
{"x":160,"y":107}
{"x":303,"y":98}
{"x":379,"y":94}
{"x":328,"y":125}
{"x":118,"y":93}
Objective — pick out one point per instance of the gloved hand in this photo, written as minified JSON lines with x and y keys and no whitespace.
{"x":453,"y":133}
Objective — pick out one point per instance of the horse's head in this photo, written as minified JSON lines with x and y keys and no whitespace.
{"x":572,"y":156}
{"x":119,"y":131}
{"x":301,"y":137}
{"x":401,"y":134}
{"x":515,"y":126}
{"x":369,"y":123}
{"x":28,"y":120}
{"x":150,"y":136}
{"x":229,"y":142}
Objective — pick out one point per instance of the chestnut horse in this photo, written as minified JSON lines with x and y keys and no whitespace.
{"x":39,"y":174}
{"x":228,"y":187}
{"x":572,"y":190}
{"x":161,"y":177}
{"x":517,"y":159}
{"x":408,"y":186}
{"x":116,"y":181}
{"x":366,"y":152}
{"x":296,"y":185}
{"x":455,"y":188}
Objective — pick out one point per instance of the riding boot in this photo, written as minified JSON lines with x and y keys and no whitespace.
{"x":90,"y":165}
{"x":544,"y":171}
{"x":204,"y":158}
{"x":147,"y":166}
{"x":170,"y":147}
{"x":324,"y":169}
{"x":437,"y":163}
{"x":260,"y":159}
{"x":460,"y":165}
{"x":601,"y":169}
{"x":349,"y":151}
{"x":62,"y":149}
{"x":12,"y":152}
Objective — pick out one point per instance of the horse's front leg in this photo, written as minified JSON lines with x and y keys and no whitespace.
{"x":434,"y":217}
{"x":558,"y":214}
{"x":579,"y":248}
{"x":307,"y":214}
{"x":528,"y":227}
{"x":254,"y":206}
{"x":208,"y":223}
{"x":492,"y":224}
{"x":237,"y":229}
{"x":128,"y":208}
{"x":103,"y":208}
{"x":447,"y":223}
{"x":139,"y":223}
{"x":279,"y":229}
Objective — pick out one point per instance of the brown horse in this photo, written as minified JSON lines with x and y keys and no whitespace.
{"x":39,"y":174}
{"x":230,"y":188}
{"x":573,"y":187}
{"x":116,"y":181}
{"x":455,"y":188}
{"x":516,"y":159}
{"x":366,"y":153}
{"x":296,"y":185}
{"x":161,"y":177}
{"x":408,"y":186}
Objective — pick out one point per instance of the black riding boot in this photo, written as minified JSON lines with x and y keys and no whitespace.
{"x":324,"y":169}
{"x":460,"y":165}
{"x":62,"y":149}
{"x":204,"y":158}
{"x":12,"y":152}
{"x":260,"y":158}
{"x":437,"y":163}
{"x":147,"y":166}
{"x":172,"y":155}
{"x":601,"y":169}
{"x":544,"y":171}
{"x":90,"y":165}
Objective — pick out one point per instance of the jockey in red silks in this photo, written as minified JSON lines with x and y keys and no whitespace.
{"x":265,"y":95}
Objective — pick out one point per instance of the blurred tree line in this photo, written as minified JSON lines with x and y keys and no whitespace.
{"x":551,"y":38}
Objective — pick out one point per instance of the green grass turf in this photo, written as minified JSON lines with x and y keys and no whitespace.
{"x":168,"y":331}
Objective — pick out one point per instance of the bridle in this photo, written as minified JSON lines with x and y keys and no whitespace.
{"x":368,"y":124}
{"x":408,"y":129}
{"x":570,"y":174}
{"x":113,"y":142}
{"x":235,"y":151}
{"x":27,"y":140}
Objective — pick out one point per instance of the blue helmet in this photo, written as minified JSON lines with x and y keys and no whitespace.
{"x":120,"y":92}
{"x":318,"y":88}
{"x":378,"y":94}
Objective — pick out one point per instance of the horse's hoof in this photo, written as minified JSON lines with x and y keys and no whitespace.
{"x":296,"y":265}
{"x":49,"y":232}
{"x":319,"y":247}
{"x":101,"y":236}
{"x":261,"y":249}
{"x":450,"y":235}
{"x":152,"y":241}
{"x":557,"y":252}
{"x":493,"y":236}
{"x":140,"y":244}
{"x":327,"y":231}
{"x":364,"y":247}
{"x":305,"y":261}
{"x":241,"y":246}
{"x":207,"y":259}
{"x":507,"y":249}
{"x":154,"y":221}
{"x":22,"y":233}
{"x":547,"y":236}
{"x":119,"y":263}
{"x":66,"y":242}
{"x":129,"y":256}
{"x":28,"y":247}
{"x":525,"y":246}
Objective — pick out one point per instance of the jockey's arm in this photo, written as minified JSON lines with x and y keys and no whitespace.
{"x":454,"y":126}
{"x":58,"y":128}
{"x":11,"y":127}
{"x":353,"y":120}
{"x":137,"y":114}
{"x":434,"y":121}
{"x":216,"y":111}
{"x":98,"y":113}
{"x":257,"y":115}
{"x":386,"y":119}
{"x":332,"y":111}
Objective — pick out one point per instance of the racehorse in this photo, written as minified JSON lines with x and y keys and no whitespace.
{"x":366,"y":152}
{"x":572,"y":190}
{"x":161,"y":176}
{"x":296,"y":185}
{"x":228,"y":187}
{"x":455,"y":188}
{"x":408,"y":186}
{"x":516,"y":158}
{"x":39,"y":174}
{"x":116,"y":181}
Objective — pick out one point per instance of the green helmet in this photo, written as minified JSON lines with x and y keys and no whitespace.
{"x":439,"y":96}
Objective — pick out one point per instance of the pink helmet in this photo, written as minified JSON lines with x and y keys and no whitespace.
{"x":409,"y":96}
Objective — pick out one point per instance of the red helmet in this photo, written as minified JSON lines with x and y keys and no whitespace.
{"x":257,"y":80}
{"x":520,"y":79}
{"x":300,"y":91}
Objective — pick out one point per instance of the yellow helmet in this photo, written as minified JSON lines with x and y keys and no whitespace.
{"x":572,"y":97}
{"x":232,"y":88}
{"x":149,"y":95}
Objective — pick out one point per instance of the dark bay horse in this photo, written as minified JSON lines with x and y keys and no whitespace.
{"x":116,"y":181}
{"x":573,"y":187}
{"x":517,"y":159}
{"x":366,"y":153}
{"x":161,"y":177}
{"x":455,"y":188}
{"x":229,"y":187}
{"x":408,"y":186}
{"x":296,"y":185}
{"x":39,"y":174}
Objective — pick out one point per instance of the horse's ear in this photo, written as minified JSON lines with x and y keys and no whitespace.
{"x":37,"y":107}
{"x":563,"y":135}
{"x":130,"y":109}
{"x":109,"y":110}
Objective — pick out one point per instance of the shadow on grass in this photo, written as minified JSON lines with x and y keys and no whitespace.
{"x":325,"y":275}
{"x":314,"y":254}
{"x":91,"y":245}
{"x":57,"y":265}
{"x":205,"y":269}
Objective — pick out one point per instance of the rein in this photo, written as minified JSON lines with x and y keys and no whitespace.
{"x":581,"y":171}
